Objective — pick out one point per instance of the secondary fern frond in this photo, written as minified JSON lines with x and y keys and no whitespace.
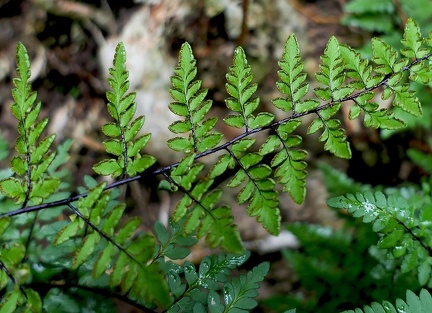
{"x":239,"y":293}
{"x":191,"y":106}
{"x":403,"y":228}
{"x":122,"y":107}
{"x":413,"y":304}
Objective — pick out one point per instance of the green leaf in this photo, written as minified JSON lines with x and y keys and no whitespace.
{"x":113,"y":219}
{"x":138,"y":145}
{"x":10,"y":302}
{"x":261,"y":120}
{"x":180,"y":144}
{"x":41,"y":149}
{"x":179,"y":127}
{"x":305,"y":106}
{"x":384,"y":56}
{"x":128,"y":230}
{"x":390,"y":240}
{"x":209,"y":141}
{"x":35,"y":133}
{"x":111,"y":129}
{"x":240,"y":292}
{"x":241,"y":146}
{"x":140,"y":164}
{"x":315,"y":126}
{"x":271,"y":143}
{"x":67,"y":232}
{"x":4,"y":224}
{"x":85,"y":250}
{"x":412,"y":41}
{"x":19,"y":165}
{"x":11,"y":187}
{"x":108,"y":167}
{"x":103,"y":261}
{"x":45,"y":189}
{"x":424,"y":273}
{"x":178,"y":109}
{"x":406,"y":100}
{"x":220,"y":166}
{"x":234,"y":121}
{"x":134,"y":128}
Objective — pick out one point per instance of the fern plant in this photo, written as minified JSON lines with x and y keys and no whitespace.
{"x":94,"y":246}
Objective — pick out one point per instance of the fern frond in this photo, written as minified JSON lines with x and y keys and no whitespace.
{"x":403,"y":234}
{"x":413,"y":304}
{"x":122,"y":132}
{"x":289,"y":163}
{"x":241,"y":89}
{"x":332,"y":76}
{"x":34,"y":155}
{"x":189,"y":104}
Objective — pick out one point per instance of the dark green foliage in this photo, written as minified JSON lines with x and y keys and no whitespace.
{"x":201,"y":289}
{"x":91,"y":246}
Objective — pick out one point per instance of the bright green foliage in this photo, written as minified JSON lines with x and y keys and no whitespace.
{"x":293,"y":81}
{"x":34,"y":154}
{"x":403,"y":227}
{"x":190,"y":105}
{"x":122,"y":132}
{"x":413,"y":304}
